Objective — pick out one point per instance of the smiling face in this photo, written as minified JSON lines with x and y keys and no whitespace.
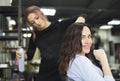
{"x":37,"y":19}
{"x":86,"y":40}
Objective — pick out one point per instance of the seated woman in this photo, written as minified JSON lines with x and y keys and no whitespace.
{"x":76,"y":45}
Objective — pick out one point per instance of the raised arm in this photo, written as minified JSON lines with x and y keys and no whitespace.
{"x":80,"y":19}
{"x":101,"y":56}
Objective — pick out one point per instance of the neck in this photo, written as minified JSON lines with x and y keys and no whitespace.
{"x":47,"y":25}
{"x":82,"y":53}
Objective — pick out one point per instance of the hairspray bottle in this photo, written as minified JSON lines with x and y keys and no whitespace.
{"x":21,"y":60}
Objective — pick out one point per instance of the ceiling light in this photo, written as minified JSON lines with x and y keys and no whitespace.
{"x":48,"y":11}
{"x":106,"y":27}
{"x":114,"y":22}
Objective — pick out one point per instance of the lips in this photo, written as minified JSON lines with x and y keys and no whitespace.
{"x":87,"y":47}
{"x":41,"y":25}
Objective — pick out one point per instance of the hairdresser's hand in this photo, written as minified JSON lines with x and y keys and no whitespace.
{"x":18,"y":54}
{"x":100,"y":55}
{"x":80,"y":19}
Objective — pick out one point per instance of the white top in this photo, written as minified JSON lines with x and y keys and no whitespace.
{"x":82,"y":69}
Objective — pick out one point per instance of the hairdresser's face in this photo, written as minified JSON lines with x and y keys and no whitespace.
{"x":37,"y":19}
{"x":86,"y":40}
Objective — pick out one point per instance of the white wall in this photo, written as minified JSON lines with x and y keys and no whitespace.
{"x":106,"y":37}
{"x":5,"y":2}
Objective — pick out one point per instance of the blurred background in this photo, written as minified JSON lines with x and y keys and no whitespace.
{"x":103,"y":15}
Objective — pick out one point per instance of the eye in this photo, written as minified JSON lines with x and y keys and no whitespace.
{"x":37,"y":17}
{"x":32,"y":22}
{"x":90,"y":36}
{"x":83,"y":37}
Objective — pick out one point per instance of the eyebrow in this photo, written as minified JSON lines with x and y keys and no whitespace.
{"x":87,"y":35}
{"x":33,"y":19}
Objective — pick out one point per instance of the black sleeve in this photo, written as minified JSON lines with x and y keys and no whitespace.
{"x":73,"y":19}
{"x":31,"y":49}
{"x":69,"y":21}
{"x":85,"y":16}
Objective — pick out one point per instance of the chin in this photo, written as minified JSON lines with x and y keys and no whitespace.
{"x":86,"y":51}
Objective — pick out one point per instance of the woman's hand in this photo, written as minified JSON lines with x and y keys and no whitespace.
{"x":100,"y":55}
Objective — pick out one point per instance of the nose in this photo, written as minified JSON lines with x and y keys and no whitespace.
{"x":88,"y":40}
{"x":36,"y":22}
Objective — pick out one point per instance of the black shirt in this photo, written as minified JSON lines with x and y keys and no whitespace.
{"x":49,"y":42}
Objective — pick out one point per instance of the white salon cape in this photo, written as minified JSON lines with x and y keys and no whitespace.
{"x":82,"y":69}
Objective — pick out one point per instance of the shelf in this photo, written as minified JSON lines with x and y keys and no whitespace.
{"x":2,"y":38}
{"x":9,"y":11}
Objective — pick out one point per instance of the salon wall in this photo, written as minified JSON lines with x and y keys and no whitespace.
{"x":108,"y":44}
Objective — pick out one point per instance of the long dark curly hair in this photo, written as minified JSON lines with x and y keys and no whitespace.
{"x":71,"y":46}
